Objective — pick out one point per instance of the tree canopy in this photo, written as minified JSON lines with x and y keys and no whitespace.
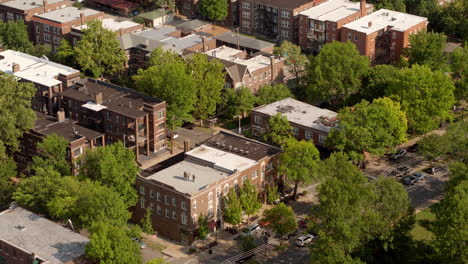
{"x":427,"y":48}
{"x":268,"y":94}
{"x":426,"y":96}
{"x":377,"y":81}
{"x":239,"y":101}
{"x":336,"y":73}
{"x":295,"y":60}
{"x":232,"y":208}
{"x":282,"y":219}
{"x":52,"y":153}
{"x":459,"y":69}
{"x":279,"y":129}
{"x":147,"y":223}
{"x":99,"y":51}
{"x":214,"y":10}
{"x":7,"y":171}
{"x":249,"y":199}
{"x":14,"y":35}
{"x":397,"y":5}
{"x":65,"y":54}
{"x":375,"y":127}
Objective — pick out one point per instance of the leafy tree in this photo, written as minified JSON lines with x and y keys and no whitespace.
{"x":214,"y":10}
{"x":459,"y":69}
{"x":7,"y":171}
{"x":65,"y":54}
{"x":232,"y":208}
{"x":427,"y":48}
{"x":279,"y":129}
{"x":134,"y":231}
{"x":249,"y":199}
{"x":299,"y":162}
{"x":248,"y":243}
{"x":453,"y":19}
{"x":377,"y":81}
{"x":397,"y":5}
{"x":160,"y":57}
{"x":202,"y":227}
{"x":147,"y":223}
{"x":424,"y":95}
{"x":457,"y":138}
{"x":14,"y":35}
{"x":282,"y":219}
{"x":239,"y":101}
{"x":272,"y":93}
{"x":114,"y":166}
{"x":208,"y":77}
{"x":52,"y":153}
{"x":373,"y":127}
{"x":166,"y":4}
{"x":99,"y":50}
{"x":172,"y":83}
{"x":40,"y":50}
{"x":272,"y":194}
{"x":16,"y":114}
{"x":336,"y":73}
{"x":110,"y":244}
{"x":295,"y":60}
{"x":425,"y":8}
{"x":458,"y":174}
{"x":433,"y":146}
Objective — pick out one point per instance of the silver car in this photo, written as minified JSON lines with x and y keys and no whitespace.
{"x":304,"y":240}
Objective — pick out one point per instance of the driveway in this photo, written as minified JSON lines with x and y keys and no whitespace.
{"x":429,"y":191}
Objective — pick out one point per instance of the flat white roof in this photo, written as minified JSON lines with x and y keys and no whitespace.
{"x":112,"y":24}
{"x":229,"y":54}
{"x":174,"y":176}
{"x":333,"y":10}
{"x":384,"y":18}
{"x":27,"y":4}
{"x":67,"y":14}
{"x":219,"y":159}
{"x":33,"y":69}
{"x":48,"y":240}
{"x":300,"y":113}
{"x":93,"y":106}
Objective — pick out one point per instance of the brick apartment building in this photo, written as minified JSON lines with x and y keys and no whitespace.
{"x":383,"y":35}
{"x":121,"y":27}
{"x":15,"y":10}
{"x":275,"y":19}
{"x":79,"y":139}
{"x":49,"y":78}
{"x":253,"y":71}
{"x":308,"y":122}
{"x":247,"y":44}
{"x":180,"y":193}
{"x":27,"y":238}
{"x":139,"y":121}
{"x":322,"y":23}
{"x":50,"y":28}
{"x":117,"y":7}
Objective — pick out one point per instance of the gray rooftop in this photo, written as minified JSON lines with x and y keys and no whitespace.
{"x":174,"y":176}
{"x":27,"y":4}
{"x":191,"y":25}
{"x":251,"y":43}
{"x":67,"y":14}
{"x":46,"y":239}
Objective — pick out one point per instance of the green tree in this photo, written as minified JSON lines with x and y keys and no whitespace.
{"x":160,"y":57}
{"x":459,"y":69}
{"x":272,"y":93}
{"x":336,"y":73}
{"x":433,"y":146}
{"x":40,"y":50}
{"x":16,"y":114}
{"x":397,"y":5}
{"x":272,"y":194}
{"x":202,"y":227}
{"x":248,"y":243}
{"x":374,"y":127}
{"x":232,"y":208}
{"x":295,"y":60}
{"x":299,"y":162}
{"x":424,"y":95}
{"x":52,"y":152}
{"x":249,"y":199}
{"x":208,"y":78}
{"x":214,"y":10}
{"x":65,"y":54}
{"x":109,"y":243}
{"x":166,"y":4}
{"x":114,"y":166}
{"x":377,"y":81}
{"x":239,"y":102}
{"x":282,"y":219}
{"x":170,"y":82}
{"x":427,"y":48}
{"x":458,"y":174}
{"x":453,"y":19}
{"x":99,"y":51}
{"x":14,"y":35}
{"x":147,"y":223}
{"x":279,"y":129}
{"x":7,"y":171}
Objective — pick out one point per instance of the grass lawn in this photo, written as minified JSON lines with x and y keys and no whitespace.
{"x":153,"y":245}
{"x":424,"y":219}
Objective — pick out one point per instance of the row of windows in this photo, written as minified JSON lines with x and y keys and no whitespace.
{"x":47,"y":28}
{"x":11,"y":16}
{"x":167,"y":212}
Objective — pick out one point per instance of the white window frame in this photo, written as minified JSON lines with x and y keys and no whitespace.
{"x":142,"y":189}
{"x":309,"y":134}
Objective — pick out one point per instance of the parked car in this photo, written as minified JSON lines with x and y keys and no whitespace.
{"x":414,"y":178}
{"x":289,"y":235}
{"x":399,"y":154}
{"x":140,"y":243}
{"x":250,"y":230}
{"x":413,"y":148}
{"x":403,"y":171}
{"x":304,"y":240}
{"x":188,"y":125}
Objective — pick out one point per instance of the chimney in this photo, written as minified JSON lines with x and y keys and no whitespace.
{"x":187,"y":145}
{"x":15,"y":67}
{"x":272,"y":65}
{"x":82,"y":18}
{"x":363,"y":8}
{"x":98,"y":98}
{"x":369,"y":24}
{"x":205,"y":48}
{"x":44,"y":5}
{"x":60,"y":116}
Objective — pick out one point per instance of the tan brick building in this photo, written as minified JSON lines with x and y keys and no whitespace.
{"x":50,"y":28}
{"x":383,"y":35}
{"x":308,"y":122}
{"x":179,"y":194}
{"x":322,"y":23}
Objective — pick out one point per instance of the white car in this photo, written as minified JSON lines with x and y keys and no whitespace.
{"x":304,"y":240}
{"x":250,"y":230}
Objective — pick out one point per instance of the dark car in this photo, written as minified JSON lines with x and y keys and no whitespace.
{"x":414,"y":178}
{"x":188,"y":125}
{"x":403,"y":171}
{"x":398,"y":155}
{"x":413,"y":148}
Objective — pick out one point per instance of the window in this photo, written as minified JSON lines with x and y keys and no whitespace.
{"x":295,"y":131}
{"x":194,"y":205}
{"x":1,"y":16}
{"x":210,"y":196}
{"x":158,"y":210}
{"x":142,"y":202}
{"x":246,"y":5}
{"x":174,"y":215}
{"x":309,"y":134}
{"x":158,"y":196}
{"x":226,"y":189}
{"x":168,"y":213}
{"x":285,"y":14}
{"x":47,"y":37}
{"x":151,"y":193}
{"x":254,"y":174}
{"x":38,"y":29}
{"x":10,"y":16}
{"x":285,"y":24}
{"x":394,"y":35}
{"x":151,"y":206}
{"x":183,"y":205}
{"x":46,"y":28}
{"x":218,"y":192}
{"x":56,"y":40}
{"x":246,"y":14}
{"x":161,"y":114}
{"x":210,"y":212}
{"x":167,"y":199}
{"x":38,"y":39}
{"x":263,"y":171}
{"x":285,"y":33}
{"x":161,"y":126}
{"x":77,"y":152}
{"x":142,"y":189}
{"x":269,"y":166}
{"x":349,"y":35}
{"x":327,"y":36}
{"x":322,"y":138}
{"x":246,"y":24}
{"x":355,"y":37}
{"x":184,"y":219}
{"x":174,"y":202}
{"x":257,"y":119}
{"x":334,"y":27}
